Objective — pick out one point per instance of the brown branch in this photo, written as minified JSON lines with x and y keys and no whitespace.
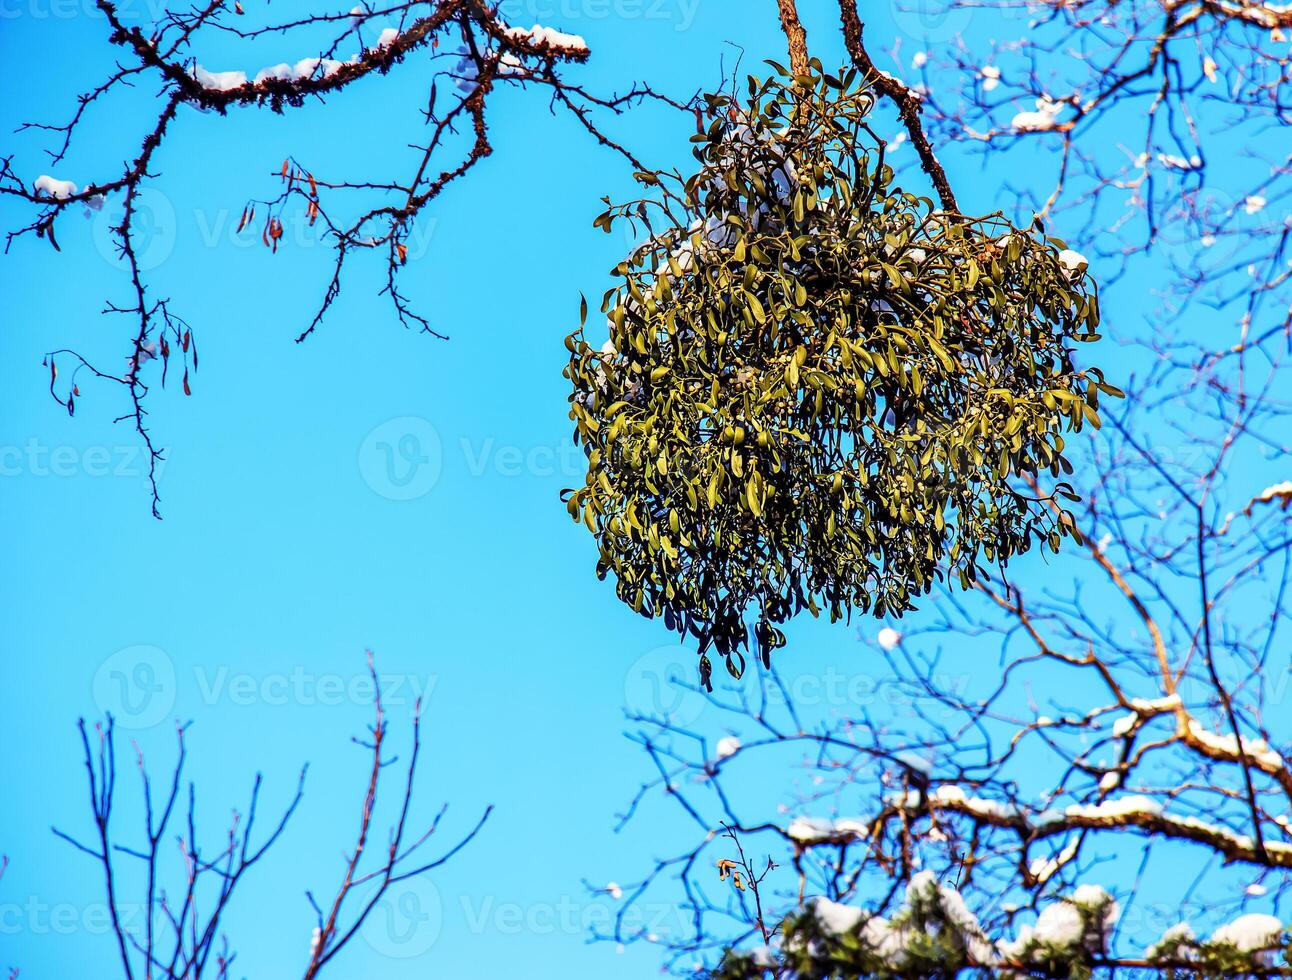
{"x":908,"y":103}
{"x":796,"y":35}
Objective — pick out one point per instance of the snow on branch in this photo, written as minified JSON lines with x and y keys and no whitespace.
{"x":467,"y":43}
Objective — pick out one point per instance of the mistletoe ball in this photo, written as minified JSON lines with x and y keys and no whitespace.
{"x":818,"y":392}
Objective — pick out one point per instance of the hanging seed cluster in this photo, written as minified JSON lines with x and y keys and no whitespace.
{"x":817,"y":391}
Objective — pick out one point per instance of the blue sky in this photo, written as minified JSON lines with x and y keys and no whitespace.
{"x":280,"y":560}
{"x":286,"y":548}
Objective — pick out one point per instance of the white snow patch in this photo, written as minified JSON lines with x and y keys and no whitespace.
{"x":1060,"y":924}
{"x":990,"y":809}
{"x":1181,"y":932}
{"x":548,"y":36}
{"x":1043,"y":869}
{"x":1126,"y":806}
{"x":1044,"y":118}
{"x":1255,"y":749}
{"x":1172,"y":161}
{"x":814,"y":830}
{"x":924,"y":888}
{"x":851,"y":825}
{"x":1156,"y":705}
{"x":219,"y":81}
{"x":1250,"y":933}
{"x":915,"y":761}
{"x":1281,"y":491}
{"x":837,"y":918}
{"x":809,"y":830}
{"x":283,"y":70}
{"x":315,"y":68}
{"x":1073,"y":261}
{"x":59,"y":190}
